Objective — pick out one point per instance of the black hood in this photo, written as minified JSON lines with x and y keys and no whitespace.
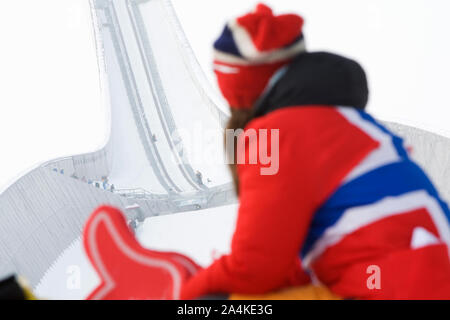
{"x":317,"y":78}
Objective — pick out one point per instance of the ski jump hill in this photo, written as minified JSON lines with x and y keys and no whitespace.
{"x":160,"y":104}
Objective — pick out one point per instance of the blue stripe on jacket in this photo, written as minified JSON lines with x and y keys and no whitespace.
{"x":393,"y":179}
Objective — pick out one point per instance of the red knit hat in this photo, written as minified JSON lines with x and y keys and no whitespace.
{"x":251,"y":49}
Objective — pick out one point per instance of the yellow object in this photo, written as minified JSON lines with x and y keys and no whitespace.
{"x":297,"y":293}
{"x":28,"y":294}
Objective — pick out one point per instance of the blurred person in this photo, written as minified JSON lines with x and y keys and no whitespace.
{"x":344,"y":214}
{"x":347,"y":208}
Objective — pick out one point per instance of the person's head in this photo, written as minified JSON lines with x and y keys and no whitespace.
{"x":251,"y":49}
{"x":258,"y":50}
{"x":261,"y":64}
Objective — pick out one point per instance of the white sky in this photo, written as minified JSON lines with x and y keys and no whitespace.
{"x":50,"y":101}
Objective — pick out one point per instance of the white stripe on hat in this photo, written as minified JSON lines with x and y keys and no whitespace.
{"x":225,"y":69}
{"x":243,"y":40}
{"x":251,"y":55}
{"x":275,"y":56}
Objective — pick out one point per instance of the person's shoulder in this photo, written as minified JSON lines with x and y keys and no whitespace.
{"x":297,"y":118}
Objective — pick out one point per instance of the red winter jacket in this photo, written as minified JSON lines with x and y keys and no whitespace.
{"x":346,"y":197}
{"x":275,"y":210}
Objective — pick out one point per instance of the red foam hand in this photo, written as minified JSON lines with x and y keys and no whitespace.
{"x":126,"y":269}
